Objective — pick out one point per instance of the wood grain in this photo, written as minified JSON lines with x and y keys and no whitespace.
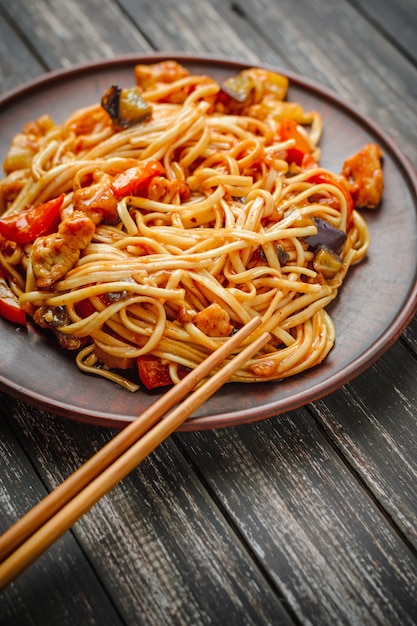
{"x":277,"y":480}
{"x":397,"y":21}
{"x":308,"y":518}
{"x":382,"y":445}
{"x":177,"y":557}
{"x":19,"y":66}
{"x":63,"y":567}
{"x":359,"y":64}
{"x":66,"y":33}
{"x":410,"y":335}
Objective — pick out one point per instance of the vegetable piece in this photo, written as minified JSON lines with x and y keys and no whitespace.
{"x":327,"y":235}
{"x":54,"y":318}
{"x":114,"y":362}
{"x":283,"y":255}
{"x":84,"y":308}
{"x":9,"y":304}
{"x":136,"y":179}
{"x":300,"y":153}
{"x":154,"y":373}
{"x":126,"y":107}
{"x":238,"y":87}
{"x":308,"y":162}
{"x":319,"y":179}
{"x":327,"y":262}
{"x":274,"y":84}
{"x":27,"y":226}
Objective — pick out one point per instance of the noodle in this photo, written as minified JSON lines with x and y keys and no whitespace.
{"x":215,"y":232}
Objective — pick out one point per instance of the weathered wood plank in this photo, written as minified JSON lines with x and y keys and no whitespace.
{"x":17,"y":62}
{"x":187,"y":27}
{"x":397,"y":20}
{"x":42,"y":591}
{"x":65,"y":33}
{"x":318,"y":541}
{"x":356,"y":61}
{"x":410,"y":335}
{"x":381,"y":445}
{"x":316,"y":57}
{"x":320,"y":537}
{"x":160,"y":547}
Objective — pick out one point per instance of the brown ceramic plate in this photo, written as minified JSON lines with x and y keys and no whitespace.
{"x":374,"y":306}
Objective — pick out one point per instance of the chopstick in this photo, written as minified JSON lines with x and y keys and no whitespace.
{"x":28,"y":538}
{"x":39,"y":514}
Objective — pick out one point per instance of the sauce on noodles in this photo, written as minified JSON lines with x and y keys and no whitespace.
{"x":145,"y":229}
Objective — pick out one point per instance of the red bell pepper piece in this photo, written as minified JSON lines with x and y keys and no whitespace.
{"x":308,"y":162}
{"x":135,"y":180}
{"x":154,"y":373}
{"x":300,"y":153}
{"x":26,"y":226}
{"x":84,"y":308}
{"x":9,"y":304}
{"x":328,"y":180}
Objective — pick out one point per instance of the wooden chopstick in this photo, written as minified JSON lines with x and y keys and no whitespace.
{"x":44,"y":524}
{"x":40,"y":513}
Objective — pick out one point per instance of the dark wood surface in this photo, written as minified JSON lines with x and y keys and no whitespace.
{"x":309,"y":517}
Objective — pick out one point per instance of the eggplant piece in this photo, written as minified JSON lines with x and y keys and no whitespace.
{"x":283,"y":256}
{"x":126,"y":107}
{"x":238,"y":87}
{"x":260,"y":81}
{"x":327,"y":236}
{"x":53,"y":318}
{"x":327,"y":262}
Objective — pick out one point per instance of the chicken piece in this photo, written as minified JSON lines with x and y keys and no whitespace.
{"x":54,"y":255}
{"x":10,"y":188}
{"x":213,"y":321}
{"x":26,"y":144}
{"x":21,"y":152}
{"x":98,"y":202}
{"x":365,"y":179}
{"x":185,"y":315}
{"x":39,"y":127}
{"x":148,"y":76}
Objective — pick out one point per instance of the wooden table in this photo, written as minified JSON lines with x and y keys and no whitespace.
{"x":309,"y":517}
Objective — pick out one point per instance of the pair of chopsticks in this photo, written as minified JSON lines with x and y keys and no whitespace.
{"x":36,"y":531}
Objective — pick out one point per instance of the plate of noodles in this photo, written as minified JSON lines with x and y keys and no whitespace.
{"x":151,"y":205}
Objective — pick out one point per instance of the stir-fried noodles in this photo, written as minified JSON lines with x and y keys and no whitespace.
{"x":145,"y":229}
